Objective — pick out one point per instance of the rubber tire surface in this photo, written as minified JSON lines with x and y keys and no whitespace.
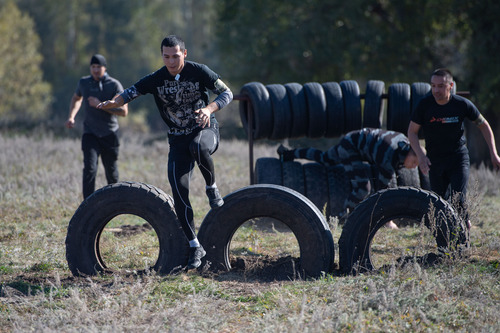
{"x":339,"y":188}
{"x":288,"y":206}
{"x":316,"y":109}
{"x":352,"y":105}
{"x":268,"y":171}
{"x":146,"y":201}
{"x":402,"y":202}
{"x":398,"y":108}
{"x":316,"y":186}
{"x":262,"y":111}
{"x":334,"y":110}
{"x":372,"y":114}
{"x":418,"y":91}
{"x":298,"y":107}
{"x":282,"y":116}
{"x":293,"y":176}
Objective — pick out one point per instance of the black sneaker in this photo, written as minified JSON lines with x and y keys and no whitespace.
{"x":195,"y":255}
{"x":214,"y":197}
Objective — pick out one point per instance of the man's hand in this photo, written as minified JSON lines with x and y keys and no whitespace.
{"x":495,"y":160}
{"x":70,"y":123}
{"x":107,"y":105}
{"x":203,"y":117}
{"x":424,"y":164}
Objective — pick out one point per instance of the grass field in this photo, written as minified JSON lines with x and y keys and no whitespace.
{"x":40,"y":189}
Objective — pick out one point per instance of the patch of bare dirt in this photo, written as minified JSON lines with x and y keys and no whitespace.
{"x":129,"y":230}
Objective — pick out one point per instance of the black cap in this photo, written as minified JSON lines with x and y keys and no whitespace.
{"x":98,"y":59}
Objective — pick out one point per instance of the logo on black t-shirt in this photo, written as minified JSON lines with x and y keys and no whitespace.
{"x":444,"y":120}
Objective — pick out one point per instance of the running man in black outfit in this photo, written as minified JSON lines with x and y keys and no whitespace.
{"x":441,"y":116}
{"x":99,"y":126}
{"x":388,"y":150}
{"x":181,"y":92}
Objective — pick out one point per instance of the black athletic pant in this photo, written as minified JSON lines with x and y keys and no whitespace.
{"x":93,"y":146}
{"x":449,"y":177}
{"x":185,"y":150}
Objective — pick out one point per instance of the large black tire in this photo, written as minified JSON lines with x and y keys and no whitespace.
{"x":262,"y":112}
{"x":334,"y":110}
{"x":298,"y":106}
{"x":418,"y":91}
{"x":339,"y":188}
{"x":293,"y":176}
{"x":278,"y":202}
{"x":352,"y":105}
{"x":146,"y":201}
{"x":316,"y":186}
{"x":316,"y":109}
{"x":282,"y":116}
{"x":372,"y":114}
{"x":396,"y":203}
{"x":268,"y":171}
{"x":398,"y":107}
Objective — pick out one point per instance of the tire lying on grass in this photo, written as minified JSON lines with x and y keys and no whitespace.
{"x":403,"y":203}
{"x":289,"y":207}
{"x":145,"y":201}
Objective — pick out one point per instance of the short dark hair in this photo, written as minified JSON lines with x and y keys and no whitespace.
{"x":173,"y":41}
{"x":445,"y":73}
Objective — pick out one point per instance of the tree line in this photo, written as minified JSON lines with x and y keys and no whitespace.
{"x":46,"y":45}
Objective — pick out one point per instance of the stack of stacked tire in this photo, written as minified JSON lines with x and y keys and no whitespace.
{"x":313,"y":110}
{"x":402,"y":102}
{"x":326,"y":186}
{"x":329,"y":109}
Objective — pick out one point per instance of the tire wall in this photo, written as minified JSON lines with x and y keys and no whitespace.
{"x":327,"y":110}
{"x":326,"y":186}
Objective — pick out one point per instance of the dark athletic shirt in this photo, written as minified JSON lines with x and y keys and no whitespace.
{"x":178,"y":99}
{"x":96,"y":121}
{"x":443,"y":125}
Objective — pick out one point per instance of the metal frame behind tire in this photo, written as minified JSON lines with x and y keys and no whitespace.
{"x":278,"y":202}
{"x":146,"y":201}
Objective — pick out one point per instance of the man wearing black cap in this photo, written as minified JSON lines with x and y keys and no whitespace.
{"x":99,"y":126}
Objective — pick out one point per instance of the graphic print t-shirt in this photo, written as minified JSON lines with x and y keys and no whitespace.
{"x":443,"y":125}
{"x":178,"y":99}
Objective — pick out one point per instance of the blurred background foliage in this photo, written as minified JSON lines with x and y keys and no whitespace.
{"x":46,"y":45}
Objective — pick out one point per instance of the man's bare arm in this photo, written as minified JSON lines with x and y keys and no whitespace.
{"x":423,"y":161}
{"x":115,"y":103}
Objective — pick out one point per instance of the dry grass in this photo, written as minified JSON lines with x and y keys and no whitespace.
{"x":40,"y":190}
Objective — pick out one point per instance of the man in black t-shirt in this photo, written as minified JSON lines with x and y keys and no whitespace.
{"x":441,"y":117}
{"x":99,"y":126}
{"x":181,"y":92}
